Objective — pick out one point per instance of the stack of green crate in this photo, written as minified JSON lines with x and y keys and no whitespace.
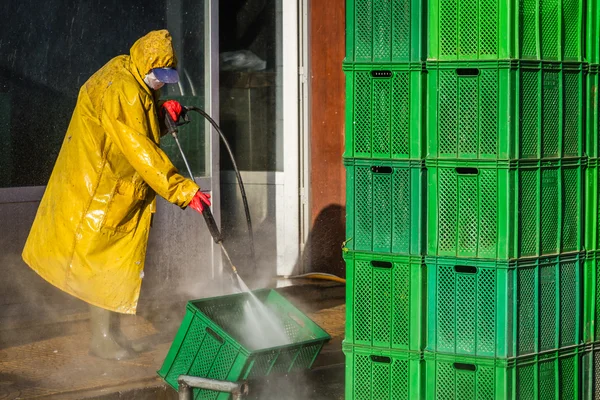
{"x":466,"y":166}
{"x":385,"y":206}
{"x":505,"y":164}
{"x":591,"y":332}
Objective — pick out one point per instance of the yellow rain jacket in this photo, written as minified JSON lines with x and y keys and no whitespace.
{"x":90,"y":233}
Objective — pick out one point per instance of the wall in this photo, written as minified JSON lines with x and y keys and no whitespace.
{"x":327,"y":93}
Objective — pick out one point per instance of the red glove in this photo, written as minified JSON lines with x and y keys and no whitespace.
{"x":200,"y":201}
{"x":173,"y":108}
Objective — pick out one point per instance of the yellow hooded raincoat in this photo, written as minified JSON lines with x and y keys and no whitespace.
{"x":90,"y":233}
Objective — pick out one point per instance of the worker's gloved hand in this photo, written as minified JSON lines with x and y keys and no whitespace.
{"x":200,"y":201}
{"x":173,"y":108}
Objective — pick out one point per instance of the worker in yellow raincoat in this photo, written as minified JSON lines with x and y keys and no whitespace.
{"x":91,"y":230}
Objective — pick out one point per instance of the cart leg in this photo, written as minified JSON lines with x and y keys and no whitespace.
{"x":185,"y":391}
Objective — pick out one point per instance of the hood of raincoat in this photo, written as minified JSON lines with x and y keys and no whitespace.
{"x":91,"y":229}
{"x":154,"y":50}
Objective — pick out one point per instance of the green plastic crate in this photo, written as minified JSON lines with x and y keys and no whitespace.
{"x":593,"y":32}
{"x":384,"y":31}
{"x":503,"y":29}
{"x":385,"y":301}
{"x":504,"y":210}
{"x":548,"y":376}
{"x":505,"y":110}
{"x":591,"y":372}
{"x":384,"y":110}
{"x":591,"y":297}
{"x":373,"y":373}
{"x":213,"y":342}
{"x":592,"y":206}
{"x":384,"y":212}
{"x":592,"y":115}
{"x":504,"y":309}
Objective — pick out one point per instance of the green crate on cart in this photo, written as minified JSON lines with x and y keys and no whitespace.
{"x":592,"y":205}
{"x":384,"y":109}
{"x":373,"y":373}
{"x":591,"y":297}
{"x":384,"y":206}
{"x":220,"y":338}
{"x":504,"y":308}
{"x":592,"y":115}
{"x":385,"y":31}
{"x":591,"y":372}
{"x":505,"y":110}
{"x":552,"y":375}
{"x":503,"y":210}
{"x":385,"y":301}
{"x":503,"y":29}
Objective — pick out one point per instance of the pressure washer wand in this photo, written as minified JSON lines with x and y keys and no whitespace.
{"x":206,"y":213}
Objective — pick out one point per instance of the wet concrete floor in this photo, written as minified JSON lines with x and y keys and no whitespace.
{"x":52,"y":361}
{"x":325,"y":383}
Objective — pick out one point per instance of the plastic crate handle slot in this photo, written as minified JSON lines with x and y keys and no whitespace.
{"x":381,"y":170}
{"x":465,"y":269}
{"x":381,"y":74}
{"x":465,"y":367}
{"x":382,"y":264}
{"x":215,"y":335}
{"x":467,"y":171}
{"x":381,"y":359}
{"x":467,"y":72}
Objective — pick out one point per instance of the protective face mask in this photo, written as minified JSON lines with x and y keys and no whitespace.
{"x":152,"y":82}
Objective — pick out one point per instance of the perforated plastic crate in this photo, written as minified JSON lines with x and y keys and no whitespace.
{"x":505,"y":110}
{"x":373,"y":373}
{"x":591,"y":298}
{"x":384,"y":111}
{"x":592,"y":113}
{"x":592,"y":205}
{"x":593,"y":32}
{"x":502,"y":210}
{"x":384,"y":31}
{"x":216,"y":340}
{"x":550,"y":376}
{"x":504,"y":309}
{"x":384,"y":210}
{"x":503,"y":29}
{"x":385,"y":301}
{"x":591,"y":372}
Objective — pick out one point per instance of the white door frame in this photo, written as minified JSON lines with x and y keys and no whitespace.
{"x":290,"y":183}
{"x":293,"y":212}
{"x":288,"y":240}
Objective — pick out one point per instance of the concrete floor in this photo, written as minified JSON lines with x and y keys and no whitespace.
{"x":52,"y":361}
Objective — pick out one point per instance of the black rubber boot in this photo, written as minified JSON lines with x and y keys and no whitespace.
{"x":104,"y":344}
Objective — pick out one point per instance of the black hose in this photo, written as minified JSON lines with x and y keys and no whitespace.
{"x":237,"y":174}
